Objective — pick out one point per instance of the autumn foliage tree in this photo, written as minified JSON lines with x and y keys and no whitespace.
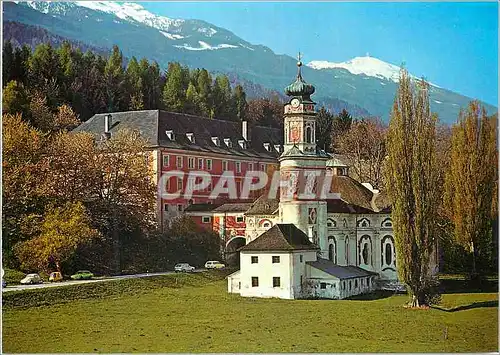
{"x":411,"y":184}
{"x":63,"y":230}
{"x":471,"y":182}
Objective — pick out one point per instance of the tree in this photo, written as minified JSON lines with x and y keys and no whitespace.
{"x":239,"y":100}
{"x":364,"y":147}
{"x":45,"y":73}
{"x":174,"y":91}
{"x":134,"y":85}
{"x":22,"y":178}
{"x":471,"y":182}
{"x":324,"y":124}
{"x":411,"y":185}
{"x":114,"y":79}
{"x":204,"y":89}
{"x":221,"y":98}
{"x":8,"y":63}
{"x":63,"y":230}
{"x":341,"y":124}
{"x":192,"y":100}
{"x":15,"y":99}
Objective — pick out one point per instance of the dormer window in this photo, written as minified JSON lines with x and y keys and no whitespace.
{"x":170,"y":135}
{"x":267,"y":146}
{"x":190,"y":137}
{"x":216,"y":141}
{"x":228,"y":143}
{"x":277,"y":147}
{"x":242,"y":143}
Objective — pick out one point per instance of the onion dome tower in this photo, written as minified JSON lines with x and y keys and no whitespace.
{"x":302,"y":165}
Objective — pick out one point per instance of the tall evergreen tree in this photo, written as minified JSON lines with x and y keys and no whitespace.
{"x":174,"y":91}
{"x":471,"y":182}
{"x":114,"y":79}
{"x":412,"y":177}
{"x":134,"y":86}
{"x":7,"y":62}
{"x":324,"y":124}
{"x":204,"y":89}
{"x":239,"y":101}
{"x":341,"y":124}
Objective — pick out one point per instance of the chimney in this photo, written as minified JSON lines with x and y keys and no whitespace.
{"x":245,"y":131}
{"x":107,"y":123}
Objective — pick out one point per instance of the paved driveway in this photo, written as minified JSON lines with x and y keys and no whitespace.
{"x":78,"y":282}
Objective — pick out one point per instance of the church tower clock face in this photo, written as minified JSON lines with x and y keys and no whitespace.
{"x":295,"y":103}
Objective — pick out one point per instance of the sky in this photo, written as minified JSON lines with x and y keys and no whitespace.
{"x":454,"y":45}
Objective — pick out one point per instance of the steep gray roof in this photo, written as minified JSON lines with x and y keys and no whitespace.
{"x":263,"y":206}
{"x":153,"y":124}
{"x":341,"y":272}
{"x":281,"y":237}
{"x":233,"y":207}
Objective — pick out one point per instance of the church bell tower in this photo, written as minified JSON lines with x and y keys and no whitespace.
{"x":302,"y":165}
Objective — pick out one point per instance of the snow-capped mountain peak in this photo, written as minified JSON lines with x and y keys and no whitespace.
{"x":132,"y":12}
{"x":362,"y":65}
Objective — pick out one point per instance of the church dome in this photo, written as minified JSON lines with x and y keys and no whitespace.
{"x":299,"y":88}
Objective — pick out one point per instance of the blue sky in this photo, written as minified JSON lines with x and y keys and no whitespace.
{"x":454,"y":45}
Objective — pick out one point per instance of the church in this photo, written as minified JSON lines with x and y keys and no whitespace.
{"x":315,"y":247}
{"x":288,"y":246}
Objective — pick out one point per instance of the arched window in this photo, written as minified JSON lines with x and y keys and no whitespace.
{"x":388,"y":251}
{"x":331,"y":223}
{"x":365,"y":250}
{"x":332,"y":252}
{"x":308,"y":134}
{"x":347,"y":250}
{"x":388,"y":254}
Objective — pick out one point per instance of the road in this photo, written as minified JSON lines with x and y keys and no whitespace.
{"x":79,"y":282}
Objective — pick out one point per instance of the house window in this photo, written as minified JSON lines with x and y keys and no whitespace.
{"x":165,"y":206}
{"x":301,"y":258}
{"x":301,"y":279}
{"x":239,"y":285}
{"x":180,"y":162}
{"x":209,"y":164}
{"x":200,"y":163}
{"x":276,"y":282}
{"x":250,"y":166}
{"x":224,"y":165}
{"x":350,"y":285}
{"x":255,"y":259}
{"x":205,"y":219}
{"x":263,"y":167}
{"x":266,"y":225}
{"x":276,"y":259}
{"x":239,"y":219}
{"x":179,"y":208}
{"x":355,"y":283}
{"x":388,"y":254}
{"x":166,"y":160}
{"x":322,"y":285}
{"x":255,"y":281}
{"x":179,"y":184}
{"x":191,"y":163}
{"x":238,"y":167}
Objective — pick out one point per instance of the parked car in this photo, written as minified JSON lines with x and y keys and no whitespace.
{"x":55,"y":276}
{"x":214,"y":265}
{"x":82,"y":275}
{"x":32,"y":279}
{"x":183,"y":267}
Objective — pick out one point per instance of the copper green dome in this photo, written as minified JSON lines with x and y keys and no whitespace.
{"x":299,"y":87}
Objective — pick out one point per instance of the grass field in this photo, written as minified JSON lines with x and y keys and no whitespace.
{"x":193,"y":313}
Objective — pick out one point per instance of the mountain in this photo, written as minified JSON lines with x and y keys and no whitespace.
{"x":367,"y":65}
{"x":365,"y":85}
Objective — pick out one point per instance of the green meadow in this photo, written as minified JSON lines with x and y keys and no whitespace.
{"x":194,"y":313}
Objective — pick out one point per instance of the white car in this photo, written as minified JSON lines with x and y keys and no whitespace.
{"x":32,"y":279}
{"x":183,"y":267}
{"x":214,"y":265}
